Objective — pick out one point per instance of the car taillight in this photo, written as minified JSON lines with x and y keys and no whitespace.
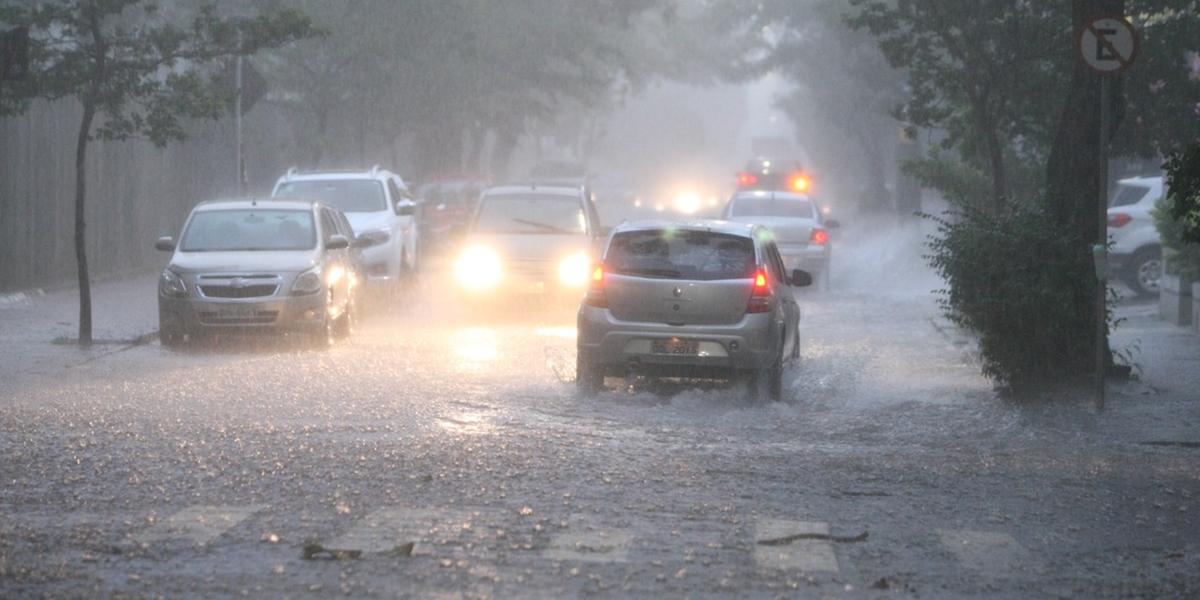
{"x":799,"y":183}
{"x":595,"y":294}
{"x":1119,"y":220}
{"x":760,"y":298}
{"x":746,"y":179}
{"x":819,"y":236}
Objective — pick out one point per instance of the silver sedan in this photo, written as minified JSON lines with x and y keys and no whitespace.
{"x":704,"y":299}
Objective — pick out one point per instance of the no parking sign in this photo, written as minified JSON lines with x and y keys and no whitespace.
{"x":1108,"y":45}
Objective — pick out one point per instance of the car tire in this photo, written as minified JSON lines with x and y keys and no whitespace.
{"x":348,"y":322}
{"x":323,"y":336}
{"x":169,"y":335}
{"x":589,"y":379}
{"x":767,"y":382}
{"x":1145,"y":269}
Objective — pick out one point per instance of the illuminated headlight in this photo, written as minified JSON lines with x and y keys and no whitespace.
{"x":309,"y":282}
{"x":170,"y":284}
{"x":478,"y":268}
{"x":573,"y":271}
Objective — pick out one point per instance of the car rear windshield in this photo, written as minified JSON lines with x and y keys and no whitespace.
{"x":681,"y":254}
{"x":346,"y":195}
{"x":249,"y":229}
{"x":1127,"y":195}
{"x":772,"y":206}
{"x":530,"y":214}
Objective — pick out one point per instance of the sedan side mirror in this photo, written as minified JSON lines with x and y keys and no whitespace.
{"x":165,"y":243}
{"x":800,"y":278}
{"x":406,"y":208}
{"x":337,"y":242}
{"x":832,"y":224}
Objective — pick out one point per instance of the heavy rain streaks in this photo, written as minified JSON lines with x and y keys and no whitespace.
{"x":665,"y":298}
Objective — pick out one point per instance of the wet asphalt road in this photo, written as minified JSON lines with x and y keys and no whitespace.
{"x":434,"y":457}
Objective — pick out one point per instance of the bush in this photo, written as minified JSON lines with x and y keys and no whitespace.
{"x":1177,"y":214}
{"x":1024,"y":287}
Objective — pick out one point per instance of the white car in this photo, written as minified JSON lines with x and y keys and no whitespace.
{"x":795,"y":219}
{"x":379,"y":208}
{"x":1136,"y":252}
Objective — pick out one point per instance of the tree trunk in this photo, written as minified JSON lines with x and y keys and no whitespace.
{"x":85,"y":288}
{"x":1073,"y":184}
{"x":996,"y":159}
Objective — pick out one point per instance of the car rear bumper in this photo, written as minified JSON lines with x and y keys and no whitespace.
{"x":814,"y":259}
{"x":201,"y":315}
{"x":620,"y":346}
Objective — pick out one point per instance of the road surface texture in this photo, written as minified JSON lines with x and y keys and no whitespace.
{"x":434,"y":455}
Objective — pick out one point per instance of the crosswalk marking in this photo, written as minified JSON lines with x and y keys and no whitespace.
{"x":200,"y":524}
{"x":388,"y":528}
{"x":779,"y":544}
{"x":590,"y":545}
{"x":986,"y":551}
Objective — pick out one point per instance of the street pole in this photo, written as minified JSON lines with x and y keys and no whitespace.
{"x":1100,"y":254}
{"x":237,"y":118}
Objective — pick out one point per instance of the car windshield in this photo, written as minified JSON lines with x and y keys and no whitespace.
{"x":249,"y":229}
{"x":675,"y":254}
{"x":346,"y":195}
{"x":1127,"y":195}
{"x":772,"y":206}
{"x":531,"y":214}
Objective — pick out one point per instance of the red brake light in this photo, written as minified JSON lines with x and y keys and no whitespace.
{"x":745,"y":179}
{"x":799,"y":183}
{"x":819,"y":236}
{"x":760,"y":298}
{"x":1119,"y":220}
{"x":595,"y":294}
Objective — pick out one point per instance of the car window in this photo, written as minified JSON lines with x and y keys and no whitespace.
{"x":328,"y":224}
{"x":530,"y":214}
{"x":249,"y":229}
{"x":674,"y":254}
{"x":769,"y":205}
{"x":344,"y":225}
{"x":1127,"y":195}
{"x":397,"y":193}
{"x":346,"y":195}
{"x":775,"y":263}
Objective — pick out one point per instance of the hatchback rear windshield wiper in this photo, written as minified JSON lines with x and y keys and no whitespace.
{"x":667,"y":273}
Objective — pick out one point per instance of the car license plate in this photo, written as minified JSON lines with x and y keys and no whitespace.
{"x":236,"y":312}
{"x":675,"y":346}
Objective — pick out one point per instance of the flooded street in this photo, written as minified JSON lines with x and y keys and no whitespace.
{"x":430,"y":456}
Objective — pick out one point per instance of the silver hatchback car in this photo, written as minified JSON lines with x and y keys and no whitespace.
{"x":703,"y":299}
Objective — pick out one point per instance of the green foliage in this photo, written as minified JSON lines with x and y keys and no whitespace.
{"x":141,"y":69}
{"x":1018,"y":283}
{"x":1183,"y":184}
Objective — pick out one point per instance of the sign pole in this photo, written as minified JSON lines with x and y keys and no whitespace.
{"x":1101,"y":254}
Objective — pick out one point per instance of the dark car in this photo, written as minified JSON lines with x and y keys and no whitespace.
{"x":773,"y":174}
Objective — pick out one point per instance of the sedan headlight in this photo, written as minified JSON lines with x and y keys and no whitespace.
{"x":377,"y":237}
{"x":478,"y":268}
{"x":170,"y":284}
{"x":573,"y":271}
{"x":308,"y":282}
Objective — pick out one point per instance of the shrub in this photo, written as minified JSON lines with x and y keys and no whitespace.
{"x":1024,"y":287}
{"x":1177,"y":214}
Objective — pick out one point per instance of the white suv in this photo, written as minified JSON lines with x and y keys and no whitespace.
{"x":379,"y":208}
{"x":1136,"y":251}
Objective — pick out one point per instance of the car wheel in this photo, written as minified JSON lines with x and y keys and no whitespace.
{"x":348,"y":322}
{"x":589,"y":379}
{"x":768,"y":381}
{"x":1145,"y":270}
{"x":169,"y":335}
{"x":323,"y":336}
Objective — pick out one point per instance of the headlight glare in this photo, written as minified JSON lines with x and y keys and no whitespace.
{"x":574,"y":270}
{"x":478,"y":268}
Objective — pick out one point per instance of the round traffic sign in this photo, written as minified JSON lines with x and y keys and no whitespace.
{"x":1108,"y":45}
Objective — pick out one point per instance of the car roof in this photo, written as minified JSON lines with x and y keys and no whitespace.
{"x":246,"y":203}
{"x":1142,"y":181}
{"x":376,"y":172}
{"x":774,"y":195}
{"x":714,"y":225}
{"x":535,"y":188}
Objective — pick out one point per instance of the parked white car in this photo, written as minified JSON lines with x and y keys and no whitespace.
{"x":379,"y":208}
{"x":1136,"y":252}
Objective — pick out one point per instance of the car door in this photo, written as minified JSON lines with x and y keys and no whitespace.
{"x":787,"y":299}
{"x":337,"y":267}
{"x":406,"y":209}
{"x":353,"y":253}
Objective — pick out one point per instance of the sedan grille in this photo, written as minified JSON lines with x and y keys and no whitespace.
{"x":245,"y":291}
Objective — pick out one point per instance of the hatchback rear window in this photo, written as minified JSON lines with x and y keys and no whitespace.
{"x":770,"y":206}
{"x":1128,"y":195}
{"x":681,"y":254}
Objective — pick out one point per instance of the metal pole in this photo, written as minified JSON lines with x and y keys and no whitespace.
{"x":237,"y":118}
{"x":1101,"y":253}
